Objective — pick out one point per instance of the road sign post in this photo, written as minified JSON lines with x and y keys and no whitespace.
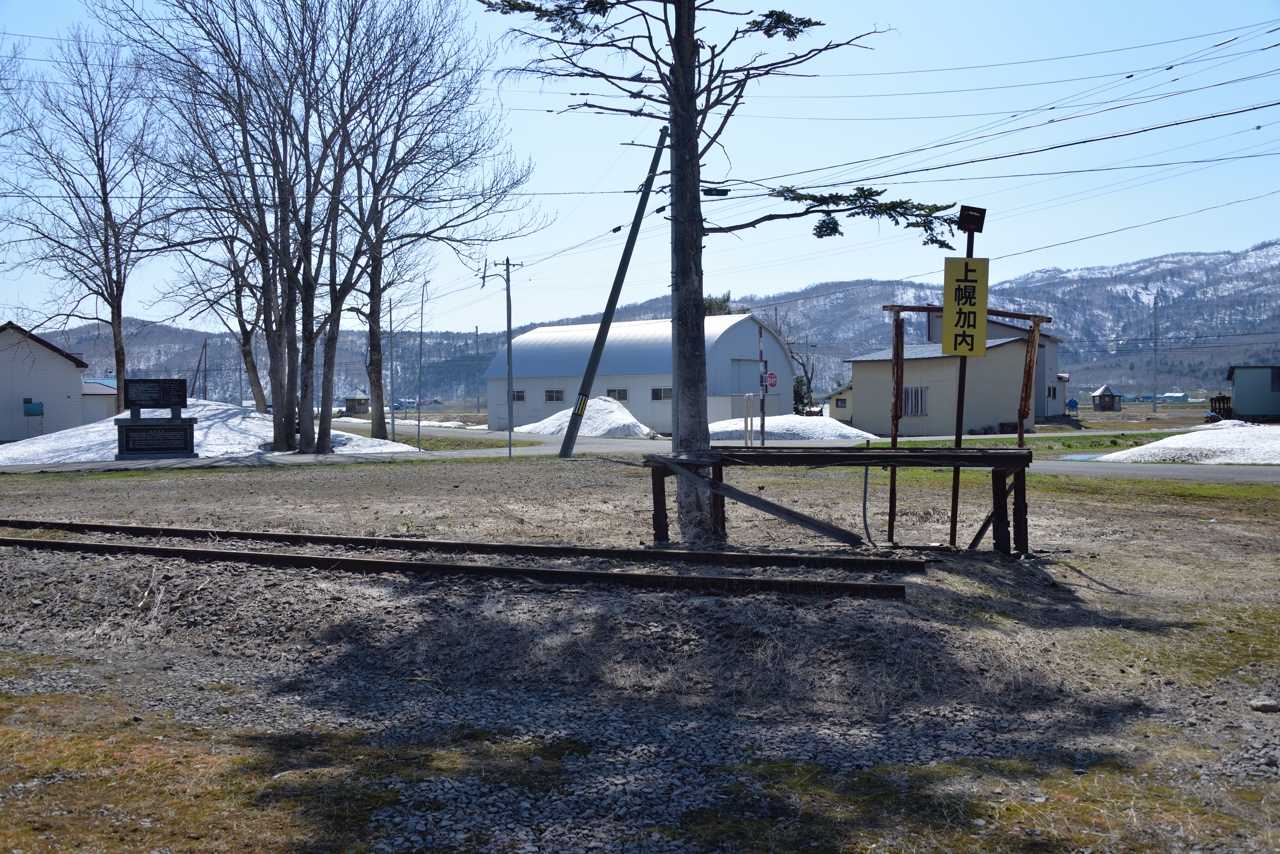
{"x":964,"y":324}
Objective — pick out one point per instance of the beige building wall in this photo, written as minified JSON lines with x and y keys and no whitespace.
{"x":29,"y":369}
{"x":993,"y":385}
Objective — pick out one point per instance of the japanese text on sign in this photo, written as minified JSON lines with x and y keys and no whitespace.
{"x":964,"y":307}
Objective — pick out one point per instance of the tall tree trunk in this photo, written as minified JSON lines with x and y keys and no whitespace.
{"x":117,"y":342}
{"x":324,"y":432}
{"x":377,"y":419}
{"x":307,"y":372}
{"x":290,"y":402}
{"x":251,"y":371}
{"x":693,"y":504}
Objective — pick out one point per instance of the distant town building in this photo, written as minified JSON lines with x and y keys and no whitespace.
{"x":635,"y":369}
{"x":40,"y":386}
{"x":1107,"y":399}
{"x":1255,"y":391}
{"x":993,"y":390}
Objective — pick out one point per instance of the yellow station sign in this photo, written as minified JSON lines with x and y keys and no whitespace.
{"x":964,"y":307}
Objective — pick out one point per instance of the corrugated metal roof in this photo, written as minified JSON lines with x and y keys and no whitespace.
{"x":634,"y":347}
{"x":1106,"y":389}
{"x":922,"y":351}
{"x":96,"y":388}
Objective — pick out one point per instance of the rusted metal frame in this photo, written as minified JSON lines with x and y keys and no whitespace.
{"x":895,"y":413}
{"x":367,"y":565}
{"x":1021,"y":538}
{"x":986,"y":523}
{"x":992,"y":312}
{"x":661,"y":524}
{"x":1028,"y":379}
{"x":1000,"y":509}
{"x":719,"y":524}
{"x":785,"y":513}
{"x":1008,"y":458}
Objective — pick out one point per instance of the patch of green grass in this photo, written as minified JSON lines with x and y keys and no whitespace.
{"x":1231,"y":641}
{"x":980,"y":805}
{"x":1238,"y":499}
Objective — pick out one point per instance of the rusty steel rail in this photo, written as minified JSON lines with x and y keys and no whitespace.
{"x":849,"y":563}
{"x":368,"y":565}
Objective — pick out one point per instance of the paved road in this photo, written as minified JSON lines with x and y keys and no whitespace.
{"x":550,"y":446}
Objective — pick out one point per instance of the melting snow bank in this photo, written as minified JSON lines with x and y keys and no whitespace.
{"x":1228,"y":442}
{"x":223,"y":430}
{"x":604,"y":417}
{"x":791,"y":427}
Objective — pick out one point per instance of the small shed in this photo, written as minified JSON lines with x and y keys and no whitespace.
{"x":1107,"y":399}
{"x":97,"y":401}
{"x":358,"y":404}
{"x":1255,"y":391}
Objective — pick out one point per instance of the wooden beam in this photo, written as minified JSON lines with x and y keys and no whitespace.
{"x":1028,"y":380}
{"x":993,"y":312}
{"x":661,"y":526}
{"x":796,"y":518}
{"x":1000,"y":507}
{"x":895,"y":411}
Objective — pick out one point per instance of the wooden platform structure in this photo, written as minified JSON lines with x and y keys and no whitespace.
{"x":1005,"y":464}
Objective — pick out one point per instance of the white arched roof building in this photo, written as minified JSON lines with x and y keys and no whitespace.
{"x":635,"y":368}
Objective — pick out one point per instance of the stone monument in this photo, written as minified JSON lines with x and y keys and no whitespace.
{"x":141,"y":438}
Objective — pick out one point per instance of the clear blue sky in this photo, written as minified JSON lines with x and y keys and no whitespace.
{"x":865,"y":107}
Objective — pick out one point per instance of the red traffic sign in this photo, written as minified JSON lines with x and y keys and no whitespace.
{"x":772,"y":379}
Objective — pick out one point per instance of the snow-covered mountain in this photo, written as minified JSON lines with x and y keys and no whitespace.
{"x":1216,"y":309}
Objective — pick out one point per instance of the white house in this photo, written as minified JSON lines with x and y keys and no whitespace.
{"x":40,"y":387}
{"x":1050,"y":393}
{"x":635,"y":369}
{"x":97,"y":401}
{"x":993,"y":389}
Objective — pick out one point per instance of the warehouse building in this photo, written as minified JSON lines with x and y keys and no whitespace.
{"x":635,"y":369}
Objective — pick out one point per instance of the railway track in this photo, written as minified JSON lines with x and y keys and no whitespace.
{"x":425,"y":567}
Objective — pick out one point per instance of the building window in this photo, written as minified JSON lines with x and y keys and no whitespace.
{"x":1053,"y":392}
{"x":661,"y":394}
{"x":555,"y":395}
{"x":842,"y":403}
{"x":517,"y":395}
{"x":915,"y":401}
{"x":1275,"y":380}
{"x":617,"y":394}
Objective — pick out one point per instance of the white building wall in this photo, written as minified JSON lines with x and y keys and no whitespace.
{"x":993,"y":385}
{"x":28,"y":369}
{"x":97,"y":407}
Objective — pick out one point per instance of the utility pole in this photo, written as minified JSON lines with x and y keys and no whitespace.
{"x":477,"y":370}
{"x":511,"y":408}
{"x":1155,"y":349}
{"x":602,"y":335}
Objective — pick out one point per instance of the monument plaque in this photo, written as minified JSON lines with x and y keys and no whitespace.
{"x":155,"y":394}
{"x":141,"y":438}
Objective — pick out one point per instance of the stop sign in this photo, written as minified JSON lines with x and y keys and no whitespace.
{"x":772,"y":379}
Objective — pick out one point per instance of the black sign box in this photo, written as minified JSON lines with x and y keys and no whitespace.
{"x":155,"y":441}
{"x":155,"y":394}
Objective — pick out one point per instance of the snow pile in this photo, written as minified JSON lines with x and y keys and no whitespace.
{"x":223,"y":430}
{"x":1224,"y":443}
{"x":604,"y":417}
{"x":1218,"y":425}
{"x":790,"y":427}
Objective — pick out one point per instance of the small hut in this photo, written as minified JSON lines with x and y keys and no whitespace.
{"x":1106,"y":399}
{"x":357,"y":404}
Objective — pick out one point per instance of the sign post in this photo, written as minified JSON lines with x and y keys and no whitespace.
{"x":964,"y":323}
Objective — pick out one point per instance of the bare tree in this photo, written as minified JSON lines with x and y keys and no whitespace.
{"x":661,"y":55}
{"x":88,"y":199}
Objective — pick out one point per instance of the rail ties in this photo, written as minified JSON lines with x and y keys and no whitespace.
{"x":367,"y":565}
{"x":849,"y":563}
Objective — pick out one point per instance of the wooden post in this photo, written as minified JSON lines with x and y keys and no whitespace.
{"x":1000,"y":509}
{"x":661,"y":529}
{"x":1028,"y":379}
{"x":1021,"y":541}
{"x":719,"y":525}
{"x":895,"y":413}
